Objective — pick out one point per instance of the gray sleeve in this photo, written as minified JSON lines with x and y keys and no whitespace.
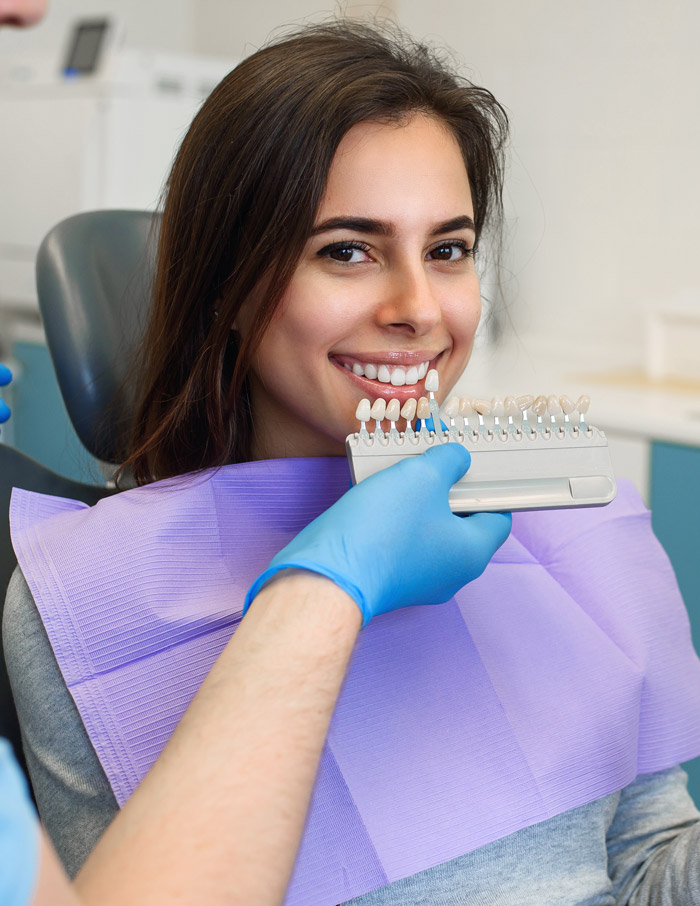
{"x":75,"y":800}
{"x":654,"y":843}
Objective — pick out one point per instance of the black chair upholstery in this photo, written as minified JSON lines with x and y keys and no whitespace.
{"x":94,"y":273}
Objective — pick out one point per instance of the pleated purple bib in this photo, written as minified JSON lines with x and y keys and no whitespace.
{"x":555,"y":678}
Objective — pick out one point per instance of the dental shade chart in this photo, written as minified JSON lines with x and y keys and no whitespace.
{"x":527,"y":452}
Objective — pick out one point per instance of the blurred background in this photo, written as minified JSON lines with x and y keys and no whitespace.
{"x":599,"y":290}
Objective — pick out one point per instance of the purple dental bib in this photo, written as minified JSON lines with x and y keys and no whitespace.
{"x":553,"y":679}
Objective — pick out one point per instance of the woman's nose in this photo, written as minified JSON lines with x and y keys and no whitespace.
{"x":410,"y":301}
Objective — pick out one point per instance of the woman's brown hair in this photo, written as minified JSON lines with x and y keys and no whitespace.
{"x":240,"y":205}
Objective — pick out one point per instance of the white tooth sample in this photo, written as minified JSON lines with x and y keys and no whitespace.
{"x":422,"y":370}
{"x":483,"y":407}
{"x":566,"y":404}
{"x":452,"y":407}
{"x":412,"y":375}
{"x":383,"y":374}
{"x":465,"y":407}
{"x":432,"y":381}
{"x":423,"y":408}
{"x":497,"y":407}
{"x":347,"y":366}
{"x":524,"y":402}
{"x":510,"y":404}
{"x":408,"y":410}
{"x":553,"y":405}
{"x":539,"y":407}
{"x":370,"y":371}
{"x":398,"y":377}
{"x":378,"y":409}
{"x":358,"y":369}
{"x":582,"y":403}
{"x":393,"y":410}
{"x":363,"y":412}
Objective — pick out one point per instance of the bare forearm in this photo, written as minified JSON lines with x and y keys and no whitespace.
{"x":219,"y":817}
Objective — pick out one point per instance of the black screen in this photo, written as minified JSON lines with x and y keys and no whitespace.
{"x":87,"y":42}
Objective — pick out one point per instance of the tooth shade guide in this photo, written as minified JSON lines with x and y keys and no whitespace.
{"x":363,"y":413}
{"x":432,"y":381}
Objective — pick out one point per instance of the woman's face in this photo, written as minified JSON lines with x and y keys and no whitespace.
{"x":386,"y":282}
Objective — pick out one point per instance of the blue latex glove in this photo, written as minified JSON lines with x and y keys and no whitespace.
{"x":392,"y":541}
{"x":5,"y":378}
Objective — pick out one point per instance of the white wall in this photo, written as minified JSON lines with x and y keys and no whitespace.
{"x":604,"y":100}
{"x":225,"y":27}
{"x":603,"y":193}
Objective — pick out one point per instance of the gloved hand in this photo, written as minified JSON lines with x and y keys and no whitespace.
{"x":391,"y":541}
{"x":5,"y":378}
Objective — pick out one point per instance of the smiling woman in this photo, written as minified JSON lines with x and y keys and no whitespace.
{"x":385,"y":289}
{"x":330,"y":219}
{"x":519,"y":743}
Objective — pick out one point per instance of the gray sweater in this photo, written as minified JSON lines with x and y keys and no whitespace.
{"x":640,"y":846}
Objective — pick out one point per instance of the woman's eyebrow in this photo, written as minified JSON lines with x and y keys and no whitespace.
{"x":382,"y":228}
{"x":464,"y":222}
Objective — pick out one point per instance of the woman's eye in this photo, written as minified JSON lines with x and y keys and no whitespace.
{"x":451,"y":251}
{"x":345,"y":252}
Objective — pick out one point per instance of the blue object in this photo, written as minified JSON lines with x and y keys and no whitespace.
{"x":5,"y":378}
{"x":19,"y":833}
{"x":403,"y":511}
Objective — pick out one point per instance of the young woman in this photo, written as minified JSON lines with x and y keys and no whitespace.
{"x":519,"y":743}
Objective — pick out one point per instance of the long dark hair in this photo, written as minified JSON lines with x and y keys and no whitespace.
{"x":240,"y":205}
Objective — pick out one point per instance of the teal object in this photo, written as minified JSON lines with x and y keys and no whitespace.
{"x":40,"y":422}
{"x":675,"y":508}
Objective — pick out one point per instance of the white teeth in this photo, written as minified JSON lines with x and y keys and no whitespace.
{"x":408,"y":410}
{"x":510,"y":404}
{"x":423,"y":408}
{"x":452,"y":406}
{"x":539,"y":407}
{"x":393,"y":410}
{"x":566,"y":404}
{"x":398,"y":375}
{"x":482,"y":407}
{"x":362,"y":413}
{"x":378,"y":409}
{"x":553,"y":405}
{"x":465,"y":407}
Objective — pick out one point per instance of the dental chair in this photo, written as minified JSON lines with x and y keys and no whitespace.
{"x":94,"y":273}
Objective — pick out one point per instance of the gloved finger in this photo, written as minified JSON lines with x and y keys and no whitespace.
{"x":5,"y":375}
{"x":4,"y":412}
{"x":489,"y":528}
{"x":450,"y":462}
